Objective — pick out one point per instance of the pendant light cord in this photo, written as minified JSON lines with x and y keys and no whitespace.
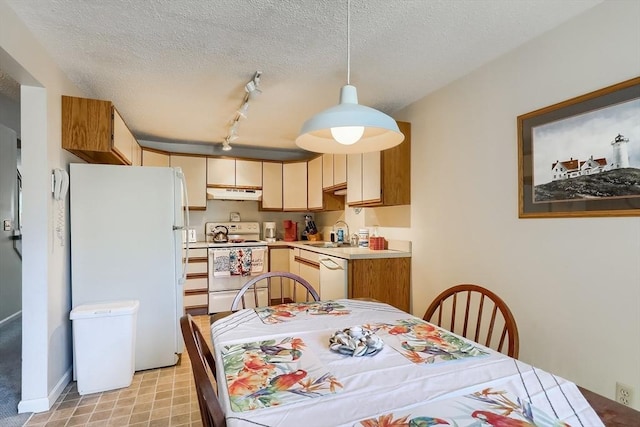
{"x":348,"y":42}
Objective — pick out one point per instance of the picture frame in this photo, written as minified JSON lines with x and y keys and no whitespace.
{"x":581,"y":157}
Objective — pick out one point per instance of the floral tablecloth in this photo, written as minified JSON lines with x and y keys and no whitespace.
{"x":390,"y":385}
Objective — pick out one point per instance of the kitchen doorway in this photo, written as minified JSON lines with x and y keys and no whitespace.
{"x":10,"y":257}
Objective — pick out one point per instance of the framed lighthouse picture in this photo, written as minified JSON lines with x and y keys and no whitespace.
{"x":581,"y":157}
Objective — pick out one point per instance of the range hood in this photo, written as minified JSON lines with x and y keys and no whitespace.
{"x":233,"y":194}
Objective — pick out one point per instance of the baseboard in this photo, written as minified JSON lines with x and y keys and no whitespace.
{"x":45,"y":403}
{"x":10,"y":318}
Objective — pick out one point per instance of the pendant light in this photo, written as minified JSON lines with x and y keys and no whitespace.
{"x":349,"y":127}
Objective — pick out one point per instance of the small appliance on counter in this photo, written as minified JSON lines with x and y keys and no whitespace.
{"x":290,"y":230}
{"x":270,"y":232}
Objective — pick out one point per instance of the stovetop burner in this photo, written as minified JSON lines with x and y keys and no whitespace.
{"x":239,"y":234}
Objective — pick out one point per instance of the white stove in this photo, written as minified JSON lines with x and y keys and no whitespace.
{"x":238,"y":234}
{"x":233,"y":263}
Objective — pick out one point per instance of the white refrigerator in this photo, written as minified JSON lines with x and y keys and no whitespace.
{"x":126,"y":244}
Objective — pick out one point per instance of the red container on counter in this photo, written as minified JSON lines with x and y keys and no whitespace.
{"x":376,"y":243}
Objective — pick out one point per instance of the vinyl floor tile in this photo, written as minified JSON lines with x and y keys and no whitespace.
{"x":161,"y":397}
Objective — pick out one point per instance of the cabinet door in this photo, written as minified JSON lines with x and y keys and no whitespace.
{"x":221,"y":172}
{"x":195,"y":173}
{"x":137,"y":152}
{"x":122,"y":138}
{"x":294,"y":266}
{"x":312,"y":275}
{"x":272,"y":185}
{"x":327,"y":170}
{"x":248,"y":174}
{"x":152,"y":158}
{"x":314,"y":183}
{"x":279,"y":259}
{"x":294,"y":194}
{"x":354,"y":178}
{"x":339,"y":169}
{"x":371,"y":177}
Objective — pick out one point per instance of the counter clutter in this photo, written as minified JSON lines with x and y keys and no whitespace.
{"x":398,"y":249}
{"x":334,"y":271}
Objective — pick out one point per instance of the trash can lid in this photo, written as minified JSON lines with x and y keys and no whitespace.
{"x":105,"y":309}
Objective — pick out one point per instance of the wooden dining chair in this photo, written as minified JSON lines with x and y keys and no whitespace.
{"x":203,"y":367}
{"x":274,"y":287}
{"x":479,"y":304}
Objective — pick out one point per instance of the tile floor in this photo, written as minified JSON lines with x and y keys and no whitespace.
{"x":155,"y":398}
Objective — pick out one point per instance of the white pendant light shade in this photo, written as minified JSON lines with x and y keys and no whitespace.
{"x":379,"y":131}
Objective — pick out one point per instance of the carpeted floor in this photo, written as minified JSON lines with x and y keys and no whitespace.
{"x":10,"y":373}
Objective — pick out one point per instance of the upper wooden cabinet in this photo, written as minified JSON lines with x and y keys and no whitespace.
{"x":314,"y":183}
{"x":381,"y":178}
{"x":321,"y":198}
{"x":93,"y":130}
{"x":271,"y":186}
{"x":155,"y":158}
{"x":294,"y":190}
{"x":334,"y":171}
{"x":223,"y":172}
{"x":195,"y":173}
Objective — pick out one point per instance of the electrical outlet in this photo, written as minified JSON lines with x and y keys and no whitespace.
{"x":624,"y":394}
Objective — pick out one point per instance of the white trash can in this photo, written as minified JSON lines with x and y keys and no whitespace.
{"x":104,"y":341}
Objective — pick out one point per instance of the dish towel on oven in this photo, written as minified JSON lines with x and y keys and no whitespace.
{"x":240,"y":261}
{"x":221,"y":266}
{"x":257,"y":261}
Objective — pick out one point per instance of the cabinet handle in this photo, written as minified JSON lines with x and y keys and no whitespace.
{"x":306,"y":262}
{"x":335,"y":266}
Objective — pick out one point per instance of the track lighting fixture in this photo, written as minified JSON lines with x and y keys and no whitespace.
{"x":251,"y":90}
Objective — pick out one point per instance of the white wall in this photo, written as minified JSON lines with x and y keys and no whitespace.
{"x":577,"y":304}
{"x":46,"y":337}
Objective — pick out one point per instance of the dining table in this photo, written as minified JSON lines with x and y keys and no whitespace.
{"x":362,"y":363}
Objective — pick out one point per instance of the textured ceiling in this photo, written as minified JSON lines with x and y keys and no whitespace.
{"x":176,"y":70}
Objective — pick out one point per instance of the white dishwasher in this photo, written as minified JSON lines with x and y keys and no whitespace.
{"x":333,"y":277}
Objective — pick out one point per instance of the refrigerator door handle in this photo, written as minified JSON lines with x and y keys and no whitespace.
{"x":185,"y":206}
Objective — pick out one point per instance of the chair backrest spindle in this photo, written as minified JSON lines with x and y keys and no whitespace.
{"x":501,"y":322}
{"x":285,"y":284}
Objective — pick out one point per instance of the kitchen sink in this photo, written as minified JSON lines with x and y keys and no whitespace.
{"x":328,"y":245}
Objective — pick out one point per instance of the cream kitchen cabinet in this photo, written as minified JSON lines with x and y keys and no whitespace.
{"x":234,"y":173}
{"x":305,"y":264}
{"x":314,"y":184}
{"x":248,"y":174}
{"x":271,"y":186}
{"x":221,"y":172}
{"x":381,"y":178}
{"x":294,"y":195}
{"x":194,"y":169}
{"x":334,"y":171}
{"x":279,"y":258}
{"x":93,"y":130}
{"x":320,"y":199}
{"x":155,"y":158}
{"x":196,"y":289}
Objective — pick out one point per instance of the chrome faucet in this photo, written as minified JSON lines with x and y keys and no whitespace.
{"x":345,"y":237}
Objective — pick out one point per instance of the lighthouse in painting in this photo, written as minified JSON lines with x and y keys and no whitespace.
{"x":620,"y":154}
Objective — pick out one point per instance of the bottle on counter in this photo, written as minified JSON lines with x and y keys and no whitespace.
{"x":363,"y":238}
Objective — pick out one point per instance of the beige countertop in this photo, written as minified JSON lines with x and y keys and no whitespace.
{"x":346,"y":252}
